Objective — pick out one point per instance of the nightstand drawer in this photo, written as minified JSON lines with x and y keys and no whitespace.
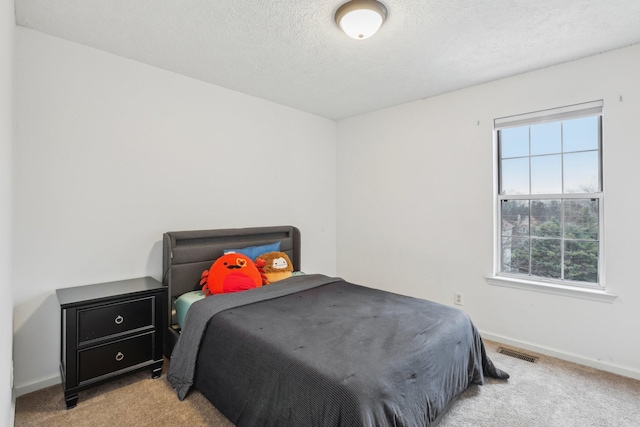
{"x":106,"y":320}
{"x":105,"y":359}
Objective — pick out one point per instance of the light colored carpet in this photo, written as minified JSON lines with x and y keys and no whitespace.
{"x":548,"y":393}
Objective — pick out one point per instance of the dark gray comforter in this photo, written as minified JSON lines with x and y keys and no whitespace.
{"x":318,"y":351}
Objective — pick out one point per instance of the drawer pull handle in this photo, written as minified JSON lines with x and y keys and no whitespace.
{"x":119,"y":320}
{"x":119,"y":356}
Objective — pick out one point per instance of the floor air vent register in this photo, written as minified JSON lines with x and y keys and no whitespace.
{"x":517,"y":355}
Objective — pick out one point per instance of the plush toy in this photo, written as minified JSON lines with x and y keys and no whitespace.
{"x":277,"y":266}
{"x":231,"y":272}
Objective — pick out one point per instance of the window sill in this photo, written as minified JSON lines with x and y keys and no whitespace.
{"x":590,"y":294}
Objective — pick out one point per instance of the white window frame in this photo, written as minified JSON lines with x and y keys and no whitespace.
{"x":568,"y":288}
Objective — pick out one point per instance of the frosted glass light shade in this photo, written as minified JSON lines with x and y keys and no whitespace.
{"x":360,"y":19}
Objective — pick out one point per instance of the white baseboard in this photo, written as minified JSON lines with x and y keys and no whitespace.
{"x":37,"y":385}
{"x":619,"y":370}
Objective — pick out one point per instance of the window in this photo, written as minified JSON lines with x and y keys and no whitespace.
{"x":550,"y":198}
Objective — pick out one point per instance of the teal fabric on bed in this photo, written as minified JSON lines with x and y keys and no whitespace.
{"x":183,"y":303}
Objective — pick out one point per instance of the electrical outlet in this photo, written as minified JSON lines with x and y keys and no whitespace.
{"x":457,"y":299}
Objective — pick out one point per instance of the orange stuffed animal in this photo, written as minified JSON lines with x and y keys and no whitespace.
{"x":274,"y":266}
{"x":232,"y":272}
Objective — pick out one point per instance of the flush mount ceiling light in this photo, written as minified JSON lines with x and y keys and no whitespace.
{"x":360,"y":19}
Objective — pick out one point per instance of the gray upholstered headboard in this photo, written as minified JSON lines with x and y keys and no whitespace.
{"x":186,"y":254}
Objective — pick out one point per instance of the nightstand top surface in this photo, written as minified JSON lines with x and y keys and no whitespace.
{"x":83,"y":294}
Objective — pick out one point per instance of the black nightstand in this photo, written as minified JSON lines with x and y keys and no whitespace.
{"x":110,"y":329}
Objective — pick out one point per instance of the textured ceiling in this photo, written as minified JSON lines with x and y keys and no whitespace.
{"x":291,"y":51}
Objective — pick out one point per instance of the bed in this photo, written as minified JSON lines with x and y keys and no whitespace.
{"x":313,"y":350}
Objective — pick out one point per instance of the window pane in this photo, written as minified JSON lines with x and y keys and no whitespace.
{"x":546,"y":175}
{"x":581,"y":172}
{"x":552,"y":232}
{"x":581,"y":261}
{"x":545,"y":218}
{"x":514,"y":142}
{"x":515,"y":255}
{"x":546,"y":258}
{"x":580,"y":134}
{"x":581,"y":219}
{"x":515,"y":176}
{"x":515,"y":218}
{"x":545,"y":138}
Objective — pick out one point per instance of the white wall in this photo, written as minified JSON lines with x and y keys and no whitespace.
{"x":111,"y":153}
{"x":7,"y":43}
{"x":415,"y":208}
